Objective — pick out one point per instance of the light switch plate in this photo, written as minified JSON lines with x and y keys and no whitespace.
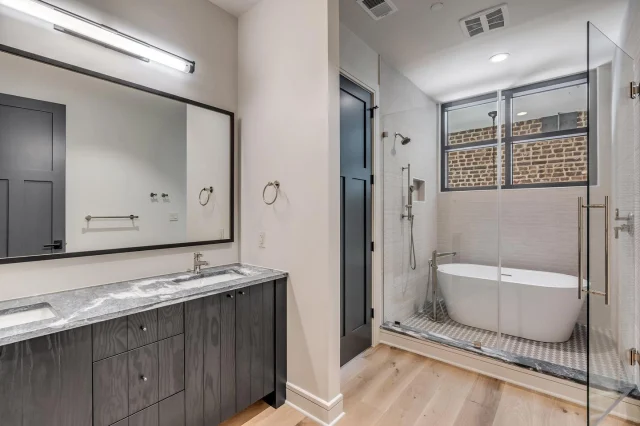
{"x":262,"y":240}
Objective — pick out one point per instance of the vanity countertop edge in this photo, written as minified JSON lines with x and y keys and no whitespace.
{"x":89,"y":305}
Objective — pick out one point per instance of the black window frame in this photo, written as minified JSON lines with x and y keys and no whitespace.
{"x":508,"y":140}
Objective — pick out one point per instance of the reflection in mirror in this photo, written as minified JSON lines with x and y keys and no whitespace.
{"x":86,"y":165}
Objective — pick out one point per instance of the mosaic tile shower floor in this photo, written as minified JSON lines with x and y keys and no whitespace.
{"x":572,"y":353}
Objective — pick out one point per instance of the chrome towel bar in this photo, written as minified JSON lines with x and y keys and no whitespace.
{"x":88,"y":218}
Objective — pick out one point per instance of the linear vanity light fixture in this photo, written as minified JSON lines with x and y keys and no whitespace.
{"x":86,"y":29}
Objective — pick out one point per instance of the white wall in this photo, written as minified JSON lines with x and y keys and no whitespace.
{"x":208,"y":165}
{"x":289,"y":126}
{"x":195,"y":29}
{"x":405,"y":109}
{"x":630,"y":312}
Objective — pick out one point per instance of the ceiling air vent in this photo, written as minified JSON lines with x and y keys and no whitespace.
{"x":378,"y":9}
{"x":490,"y":19}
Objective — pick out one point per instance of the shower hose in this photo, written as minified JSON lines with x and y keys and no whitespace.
{"x":412,"y":249}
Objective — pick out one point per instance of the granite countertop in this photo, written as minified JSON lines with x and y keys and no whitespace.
{"x":89,"y":305}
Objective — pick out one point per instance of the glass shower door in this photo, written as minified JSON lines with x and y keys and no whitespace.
{"x":608,"y":229}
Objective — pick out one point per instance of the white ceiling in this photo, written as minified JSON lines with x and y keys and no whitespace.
{"x":546,"y":39}
{"x":235,"y":7}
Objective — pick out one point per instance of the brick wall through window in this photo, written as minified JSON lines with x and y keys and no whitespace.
{"x":561,"y":160}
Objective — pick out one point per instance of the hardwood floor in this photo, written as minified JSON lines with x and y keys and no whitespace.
{"x":390,"y":387}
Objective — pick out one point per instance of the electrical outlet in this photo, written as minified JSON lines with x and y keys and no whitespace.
{"x":173,"y":217}
{"x":262,"y":238}
{"x":222,"y":233}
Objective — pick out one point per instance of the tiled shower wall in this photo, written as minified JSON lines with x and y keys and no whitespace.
{"x":405,"y":109}
{"x":629,"y":312}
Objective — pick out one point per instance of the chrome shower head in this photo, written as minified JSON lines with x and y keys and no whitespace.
{"x":403,"y":140}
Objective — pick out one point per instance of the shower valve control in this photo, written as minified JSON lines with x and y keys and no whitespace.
{"x":625,"y":227}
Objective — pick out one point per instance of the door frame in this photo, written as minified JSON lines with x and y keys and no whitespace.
{"x":376,"y":209}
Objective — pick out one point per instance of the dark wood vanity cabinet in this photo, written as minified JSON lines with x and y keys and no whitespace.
{"x":190,"y":364}
{"x":231,"y":342}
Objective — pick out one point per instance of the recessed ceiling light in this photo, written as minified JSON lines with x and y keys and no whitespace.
{"x":499,"y":57}
{"x":437,"y":6}
{"x":522,"y":113}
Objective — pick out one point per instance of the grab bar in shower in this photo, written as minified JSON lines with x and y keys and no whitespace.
{"x":581,"y":207}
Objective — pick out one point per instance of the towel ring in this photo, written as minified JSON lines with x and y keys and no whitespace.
{"x":207,"y":191}
{"x":276,"y":185}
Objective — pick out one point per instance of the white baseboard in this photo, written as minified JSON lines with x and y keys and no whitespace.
{"x":325,"y":413}
{"x":628,"y":409}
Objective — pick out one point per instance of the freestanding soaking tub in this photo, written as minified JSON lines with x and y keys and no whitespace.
{"x":536,"y":305}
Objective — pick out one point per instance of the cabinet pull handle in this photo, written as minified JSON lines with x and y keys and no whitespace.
{"x":143,"y":378}
{"x":143,"y":328}
{"x":230,"y":296}
{"x":242,"y":292}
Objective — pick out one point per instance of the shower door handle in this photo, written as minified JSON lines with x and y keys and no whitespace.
{"x":604,"y":206}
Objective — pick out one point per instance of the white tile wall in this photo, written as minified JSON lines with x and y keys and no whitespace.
{"x":406,"y":110}
{"x":630,"y":312}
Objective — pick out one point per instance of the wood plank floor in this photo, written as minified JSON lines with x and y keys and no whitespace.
{"x":390,"y":387}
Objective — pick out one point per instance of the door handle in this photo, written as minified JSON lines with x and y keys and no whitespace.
{"x":56,"y":245}
{"x":604,"y":206}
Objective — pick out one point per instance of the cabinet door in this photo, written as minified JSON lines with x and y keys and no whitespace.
{"x":171,"y":366}
{"x":143,"y":377}
{"x":243,"y":348}
{"x":57,"y":379}
{"x":269,"y":340}
{"x":146,"y":417}
{"x":11,"y":385}
{"x":194,"y":342}
{"x":227,"y":355}
{"x":212,"y":336}
{"x":110,"y":390}
{"x":143,"y":329}
{"x":257,"y":343}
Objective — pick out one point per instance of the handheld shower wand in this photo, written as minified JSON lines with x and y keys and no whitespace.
{"x":409,"y":215}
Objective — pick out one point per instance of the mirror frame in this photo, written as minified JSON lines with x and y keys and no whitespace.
{"x":105,"y":77}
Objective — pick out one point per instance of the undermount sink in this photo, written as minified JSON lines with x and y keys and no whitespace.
{"x":26,"y":315}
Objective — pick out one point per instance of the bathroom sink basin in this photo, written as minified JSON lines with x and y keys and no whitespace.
{"x":26,"y":315}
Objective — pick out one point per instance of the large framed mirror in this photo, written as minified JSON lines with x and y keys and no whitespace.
{"x":90,"y":164}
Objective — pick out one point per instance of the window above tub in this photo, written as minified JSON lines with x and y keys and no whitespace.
{"x":543,"y":132}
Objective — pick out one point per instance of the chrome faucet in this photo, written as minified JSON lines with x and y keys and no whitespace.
{"x":197,"y":263}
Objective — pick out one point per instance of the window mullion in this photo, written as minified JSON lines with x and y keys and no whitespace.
{"x":508,"y":139}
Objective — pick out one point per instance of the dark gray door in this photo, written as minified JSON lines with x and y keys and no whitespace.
{"x":355,"y":229}
{"x":32,"y":176}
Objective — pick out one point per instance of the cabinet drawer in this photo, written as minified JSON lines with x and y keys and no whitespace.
{"x":109,"y":338}
{"x":110,"y":390}
{"x":171,"y":366}
{"x":142,"y":329}
{"x":146,"y":417}
{"x":170,"y":321}
{"x":143,"y":377}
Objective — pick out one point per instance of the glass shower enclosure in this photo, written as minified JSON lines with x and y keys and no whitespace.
{"x":533,"y":257}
